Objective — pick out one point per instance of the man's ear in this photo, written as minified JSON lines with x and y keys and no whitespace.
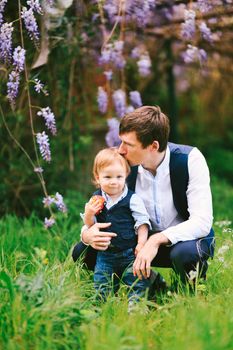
{"x":155,"y":146}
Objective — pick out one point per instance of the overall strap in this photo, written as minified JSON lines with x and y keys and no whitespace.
{"x":97,"y":192}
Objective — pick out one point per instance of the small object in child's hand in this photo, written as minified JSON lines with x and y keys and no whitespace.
{"x":99,"y":199}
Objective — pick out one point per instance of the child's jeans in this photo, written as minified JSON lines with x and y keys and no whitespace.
{"x":111,"y":267}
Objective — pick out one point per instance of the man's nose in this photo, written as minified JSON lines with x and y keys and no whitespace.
{"x":122,"y":149}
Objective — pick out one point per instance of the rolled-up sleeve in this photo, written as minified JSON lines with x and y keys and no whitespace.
{"x":139,"y":212}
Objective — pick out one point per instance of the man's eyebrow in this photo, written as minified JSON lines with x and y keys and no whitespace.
{"x":128,"y":143}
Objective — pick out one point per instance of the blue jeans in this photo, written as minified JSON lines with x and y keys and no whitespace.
{"x":111,"y":267}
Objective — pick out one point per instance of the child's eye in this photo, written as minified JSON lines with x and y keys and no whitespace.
{"x":119,"y":176}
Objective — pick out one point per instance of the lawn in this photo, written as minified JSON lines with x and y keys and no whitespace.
{"x":48,"y":302}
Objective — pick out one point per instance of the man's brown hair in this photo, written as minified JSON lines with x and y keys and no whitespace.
{"x":149,"y":123}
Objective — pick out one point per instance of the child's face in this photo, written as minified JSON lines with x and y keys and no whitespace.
{"x":112,"y":179}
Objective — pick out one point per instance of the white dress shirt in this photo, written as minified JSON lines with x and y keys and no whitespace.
{"x":156,"y":193}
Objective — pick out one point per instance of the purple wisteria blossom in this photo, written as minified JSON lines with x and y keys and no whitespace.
{"x":119,"y":99}
{"x":135,"y":99}
{"x":2,"y":7}
{"x":38,"y":170}
{"x":193,"y":54}
{"x":48,"y":201}
{"x":204,"y":5}
{"x":49,"y":118}
{"x":13,"y":86}
{"x":144,"y":65}
{"x":112,"y":137}
{"x":35,"y":6}
{"x":206,"y":32}
{"x":108,"y":74}
{"x":6,"y":42}
{"x":113,"y":53}
{"x":188,"y":27}
{"x":111,"y":7}
{"x":129,"y":109}
{"x":58,"y":200}
{"x":49,"y":222}
{"x":38,"y":86}
{"x":106,"y":54}
{"x":136,"y":52}
{"x":30,"y":23}
{"x":19,"y":58}
{"x":102,"y":99}
{"x":49,"y":2}
{"x":43,"y":142}
{"x":117,"y":54}
{"x":140,"y":11}
{"x":14,"y":76}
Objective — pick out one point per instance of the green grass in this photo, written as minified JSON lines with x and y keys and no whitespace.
{"x":48,"y":302}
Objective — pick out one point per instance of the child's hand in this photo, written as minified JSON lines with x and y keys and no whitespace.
{"x":138,"y":248}
{"x":94,"y":206}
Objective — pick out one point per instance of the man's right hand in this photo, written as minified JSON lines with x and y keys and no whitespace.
{"x":96,"y":238}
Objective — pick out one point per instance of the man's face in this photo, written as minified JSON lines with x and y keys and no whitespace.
{"x":131,"y":149}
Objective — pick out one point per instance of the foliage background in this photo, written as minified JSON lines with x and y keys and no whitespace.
{"x":200,"y":108}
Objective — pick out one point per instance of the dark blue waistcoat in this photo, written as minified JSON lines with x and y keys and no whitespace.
{"x":122,"y":222}
{"x":179,"y":182}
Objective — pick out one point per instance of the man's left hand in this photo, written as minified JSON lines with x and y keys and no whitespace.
{"x":142,"y":263}
{"x":141,"y":266}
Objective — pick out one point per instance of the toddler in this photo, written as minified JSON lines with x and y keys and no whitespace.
{"x":129,"y":220}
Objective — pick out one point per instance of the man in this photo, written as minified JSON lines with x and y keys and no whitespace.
{"x":173,"y":181}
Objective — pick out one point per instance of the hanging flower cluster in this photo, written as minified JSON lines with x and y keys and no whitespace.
{"x":2,"y":7}
{"x":112,"y":137}
{"x":6,"y":42}
{"x":188,"y":27}
{"x":49,"y":118}
{"x":113,"y":53}
{"x":102,"y":99}
{"x":137,"y":11}
{"x":205,"y":5}
{"x":193,"y":54}
{"x":189,"y":30}
{"x":57,"y":200}
{"x":14,"y":60}
{"x":14,"y":76}
{"x":30,"y":23}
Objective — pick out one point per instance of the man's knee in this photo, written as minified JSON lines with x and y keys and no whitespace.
{"x":184,"y":253}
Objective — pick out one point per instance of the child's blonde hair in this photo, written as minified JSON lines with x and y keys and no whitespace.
{"x":106,"y":157}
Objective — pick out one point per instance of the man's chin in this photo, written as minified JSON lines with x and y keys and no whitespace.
{"x":132,"y":163}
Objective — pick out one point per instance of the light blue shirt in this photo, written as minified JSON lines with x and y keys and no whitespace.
{"x":136,"y":205}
